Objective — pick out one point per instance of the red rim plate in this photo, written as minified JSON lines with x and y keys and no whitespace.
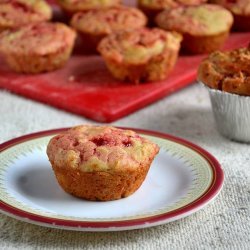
{"x":209,"y":195}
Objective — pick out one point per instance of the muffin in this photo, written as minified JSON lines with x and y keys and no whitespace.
{"x":73,"y":6}
{"x":17,"y":13}
{"x":240,"y":10}
{"x":37,"y":47}
{"x":153,"y":7}
{"x":96,"y":24}
{"x":204,"y":28}
{"x":100,"y":162}
{"x":227,"y":76}
{"x":142,"y":55}
{"x":227,"y":71}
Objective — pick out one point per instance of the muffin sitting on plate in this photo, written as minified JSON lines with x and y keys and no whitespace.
{"x":96,"y":24}
{"x":17,"y":13}
{"x":227,"y":75}
{"x":100,"y":162}
{"x":38,"y":47}
{"x":142,"y":55}
{"x":204,"y":28}
{"x":153,"y":7}
{"x":240,"y":10}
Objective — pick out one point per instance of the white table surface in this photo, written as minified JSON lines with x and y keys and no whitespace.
{"x":224,"y":224}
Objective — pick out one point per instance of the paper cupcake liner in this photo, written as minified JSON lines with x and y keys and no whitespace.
{"x":232,"y":114}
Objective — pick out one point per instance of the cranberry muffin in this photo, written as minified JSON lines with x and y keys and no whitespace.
{"x":240,"y":10}
{"x":100,"y":162}
{"x":96,"y":24}
{"x":204,"y":27}
{"x":141,"y":55}
{"x":36,"y":48}
{"x":73,"y":6}
{"x":17,"y":13}
{"x":152,"y":7}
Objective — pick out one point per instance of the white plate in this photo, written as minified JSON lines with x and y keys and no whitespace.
{"x":182,"y":179}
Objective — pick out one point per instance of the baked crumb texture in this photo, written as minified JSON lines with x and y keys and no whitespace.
{"x":227,"y":71}
{"x":153,"y":7}
{"x":100,"y":162}
{"x":17,"y":13}
{"x":240,"y":10}
{"x":94,"y":25}
{"x":204,"y":27}
{"x":38,"y":47}
{"x":142,"y":55}
{"x":73,"y":6}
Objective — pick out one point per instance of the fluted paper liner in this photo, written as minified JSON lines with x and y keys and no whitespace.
{"x":232,"y":114}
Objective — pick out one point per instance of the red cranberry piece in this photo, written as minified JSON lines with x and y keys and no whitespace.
{"x":99,"y":142}
{"x":127,"y":143}
{"x":21,"y":6}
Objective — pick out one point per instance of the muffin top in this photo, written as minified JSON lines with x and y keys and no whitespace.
{"x":162,"y":4}
{"x":82,"y":5}
{"x":105,"y":21}
{"x":16,"y":13}
{"x":138,"y":47}
{"x":239,"y":7}
{"x":37,"y":39}
{"x":228,"y":71}
{"x":100,"y":148}
{"x":205,"y":19}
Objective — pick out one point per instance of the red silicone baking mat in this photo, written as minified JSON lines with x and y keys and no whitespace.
{"x":85,"y":87}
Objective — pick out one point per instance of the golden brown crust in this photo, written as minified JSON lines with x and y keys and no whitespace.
{"x":17,"y":13}
{"x":141,"y":56}
{"x":227,"y":71}
{"x":205,"y":19}
{"x":39,"y":47}
{"x":100,"y":162}
{"x":204,"y":28}
{"x":151,"y":10}
{"x":99,"y":148}
{"x":73,"y":6}
{"x":94,"y":25}
{"x":33,"y":65}
{"x":102,"y":186}
{"x":106,"y":21}
{"x":240,"y":10}
{"x":156,"y":69}
{"x":238,"y":7}
{"x":203,"y":44}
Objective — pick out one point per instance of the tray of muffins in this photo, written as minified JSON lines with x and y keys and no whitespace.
{"x":106,"y":59}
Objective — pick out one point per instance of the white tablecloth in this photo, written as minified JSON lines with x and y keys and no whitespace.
{"x":224,"y":224}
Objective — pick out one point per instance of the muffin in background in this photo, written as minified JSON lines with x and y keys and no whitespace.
{"x":153,"y":7}
{"x":227,"y":77}
{"x":17,"y":13}
{"x":96,"y":24}
{"x":73,"y":6}
{"x":240,"y":10}
{"x":227,"y":71}
{"x":142,"y":55}
{"x":38,"y":47}
{"x":100,"y":162}
{"x":204,"y":27}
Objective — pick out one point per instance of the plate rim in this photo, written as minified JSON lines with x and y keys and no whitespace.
{"x":200,"y":202}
